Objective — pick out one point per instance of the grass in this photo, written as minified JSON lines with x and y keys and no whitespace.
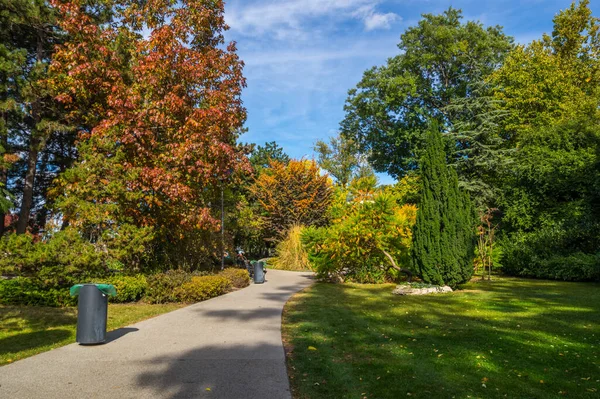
{"x":29,"y":330}
{"x":290,"y":253}
{"x":510,"y":338}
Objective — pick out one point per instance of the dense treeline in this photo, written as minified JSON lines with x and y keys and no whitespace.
{"x":119,"y":129}
{"x":521,"y":124}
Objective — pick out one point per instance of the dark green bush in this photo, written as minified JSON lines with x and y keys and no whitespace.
{"x":548,"y":253}
{"x":202,"y":288}
{"x":129,"y":288}
{"x":26,"y":291}
{"x":239,"y":277}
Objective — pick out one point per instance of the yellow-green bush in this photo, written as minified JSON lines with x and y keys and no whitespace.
{"x":129,"y":288}
{"x":290,"y":254}
{"x":239,"y":277}
{"x":202,"y":288}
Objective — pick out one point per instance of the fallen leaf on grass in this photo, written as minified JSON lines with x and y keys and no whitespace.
{"x":312,"y":348}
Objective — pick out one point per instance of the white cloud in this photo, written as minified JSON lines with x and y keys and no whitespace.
{"x":285,"y":19}
{"x":380,"y":21}
{"x":375,"y":20}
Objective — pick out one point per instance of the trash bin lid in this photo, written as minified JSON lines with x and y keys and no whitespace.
{"x":108,"y":289}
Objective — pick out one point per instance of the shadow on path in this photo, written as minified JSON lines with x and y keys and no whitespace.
{"x":118,"y":333}
{"x":239,"y":371}
{"x":32,"y":340}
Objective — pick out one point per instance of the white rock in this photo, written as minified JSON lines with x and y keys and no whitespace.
{"x":408,"y":290}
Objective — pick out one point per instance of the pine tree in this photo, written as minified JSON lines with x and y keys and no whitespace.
{"x":443,"y":236}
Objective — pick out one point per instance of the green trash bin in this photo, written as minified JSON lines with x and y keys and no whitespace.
{"x":92,"y":311}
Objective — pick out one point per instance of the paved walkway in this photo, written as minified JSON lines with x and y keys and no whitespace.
{"x":227,"y":347}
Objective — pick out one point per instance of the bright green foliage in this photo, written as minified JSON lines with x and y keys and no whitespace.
{"x":290,"y":253}
{"x":366,"y":222}
{"x":247,"y":225}
{"x":387,"y":113}
{"x":129,"y":288}
{"x":55,"y":263}
{"x":554,"y":78}
{"x":444,"y":234}
{"x":239,"y":277}
{"x":162,"y":286}
{"x":551,"y":189}
{"x":202,"y":288}
{"x":341,"y":158}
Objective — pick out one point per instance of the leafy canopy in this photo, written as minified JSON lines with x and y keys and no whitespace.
{"x":388,"y":113}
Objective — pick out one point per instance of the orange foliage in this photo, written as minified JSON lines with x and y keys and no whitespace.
{"x":293,"y":194}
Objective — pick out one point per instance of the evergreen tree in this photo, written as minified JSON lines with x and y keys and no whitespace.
{"x":443,"y":236}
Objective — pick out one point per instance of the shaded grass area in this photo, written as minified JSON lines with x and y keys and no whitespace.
{"x":510,"y":338}
{"x":28,"y":330}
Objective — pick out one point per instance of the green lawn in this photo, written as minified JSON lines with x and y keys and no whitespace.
{"x":511,"y":338}
{"x":28,"y":330}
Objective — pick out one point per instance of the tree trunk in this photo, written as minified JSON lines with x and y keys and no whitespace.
{"x":27,"y":199}
{"x":3,"y":168}
{"x":401,"y":270}
{"x":35,"y":144}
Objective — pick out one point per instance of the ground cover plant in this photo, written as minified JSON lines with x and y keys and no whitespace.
{"x":506,"y":338}
{"x":29,"y":330}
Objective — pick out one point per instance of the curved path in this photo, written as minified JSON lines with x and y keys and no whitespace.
{"x":227,"y":347}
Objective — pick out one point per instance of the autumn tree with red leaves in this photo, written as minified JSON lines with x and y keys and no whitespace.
{"x":156,"y":94}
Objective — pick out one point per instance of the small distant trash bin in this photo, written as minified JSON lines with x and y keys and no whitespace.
{"x":259,"y":272}
{"x":92,"y":311}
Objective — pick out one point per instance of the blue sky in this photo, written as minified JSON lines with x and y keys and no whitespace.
{"x":302,"y":56}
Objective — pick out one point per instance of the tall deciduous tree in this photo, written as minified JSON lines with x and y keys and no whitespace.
{"x":162,"y":112}
{"x":444,"y":234}
{"x":342,"y":159}
{"x":293,"y":194}
{"x":550,"y":90}
{"x":388,"y":112}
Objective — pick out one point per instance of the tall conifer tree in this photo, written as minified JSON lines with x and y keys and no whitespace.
{"x":443,"y":236}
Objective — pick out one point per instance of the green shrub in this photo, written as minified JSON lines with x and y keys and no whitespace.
{"x":551,"y":252}
{"x":129,"y":288}
{"x":202,"y":288}
{"x":26,"y":291}
{"x":60,"y":262}
{"x":239,"y":277}
{"x":161,"y":286}
{"x":362,"y":229}
{"x":290,"y":253}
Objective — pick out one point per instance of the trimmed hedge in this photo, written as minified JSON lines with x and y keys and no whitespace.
{"x":239,"y":277}
{"x":202,"y":288}
{"x":129,"y":288}
{"x":25,"y":291}
{"x":162,"y":286}
{"x":171,"y":286}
